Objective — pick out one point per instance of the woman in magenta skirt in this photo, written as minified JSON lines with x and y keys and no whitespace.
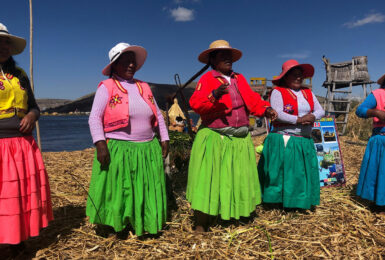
{"x":25,"y":203}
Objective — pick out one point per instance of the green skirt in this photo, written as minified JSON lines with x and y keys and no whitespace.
{"x":289,"y":175}
{"x":131,"y":190}
{"x":223,"y":176}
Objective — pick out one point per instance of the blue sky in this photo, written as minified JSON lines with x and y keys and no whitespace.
{"x":72,"y":38}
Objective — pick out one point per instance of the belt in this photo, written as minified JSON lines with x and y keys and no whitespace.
{"x":13,"y":110}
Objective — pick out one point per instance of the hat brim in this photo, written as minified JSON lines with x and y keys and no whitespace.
{"x":204,"y":56}
{"x":140,"y":56}
{"x":308,"y":72}
{"x":381,"y":80}
{"x":17,"y":43}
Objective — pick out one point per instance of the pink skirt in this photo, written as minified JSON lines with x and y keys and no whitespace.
{"x":25,"y":200}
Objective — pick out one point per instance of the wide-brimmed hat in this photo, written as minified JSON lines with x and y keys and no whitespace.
{"x":219,"y":45}
{"x":308,"y":70}
{"x":381,"y":80}
{"x":17,"y":43}
{"x":119,"y":49}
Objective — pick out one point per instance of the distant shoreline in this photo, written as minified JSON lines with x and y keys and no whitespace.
{"x":65,"y":114}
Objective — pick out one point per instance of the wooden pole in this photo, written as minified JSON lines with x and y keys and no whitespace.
{"x":183,"y":98}
{"x":31,"y":66}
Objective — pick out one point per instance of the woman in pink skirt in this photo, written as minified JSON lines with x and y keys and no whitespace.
{"x":25,"y":203}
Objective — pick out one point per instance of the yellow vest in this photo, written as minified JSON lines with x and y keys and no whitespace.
{"x":13,"y":97}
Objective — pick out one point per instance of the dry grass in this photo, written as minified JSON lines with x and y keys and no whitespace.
{"x":359,"y":128}
{"x":343,"y":226}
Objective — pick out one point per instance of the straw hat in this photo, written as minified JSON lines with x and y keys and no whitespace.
{"x":119,"y":49}
{"x":219,"y":45}
{"x":308,"y":70}
{"x":381,"y":80}
{"x":17,"y":43}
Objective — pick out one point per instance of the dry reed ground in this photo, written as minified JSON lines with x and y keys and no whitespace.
{"x":343,"y":226}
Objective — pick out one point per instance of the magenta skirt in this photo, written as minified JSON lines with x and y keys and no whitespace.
{"x":25,"y":201}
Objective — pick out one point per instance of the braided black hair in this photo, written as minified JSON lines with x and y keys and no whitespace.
{"x":10,"y":67}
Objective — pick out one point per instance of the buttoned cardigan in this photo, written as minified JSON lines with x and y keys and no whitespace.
{"x":208,"y":107}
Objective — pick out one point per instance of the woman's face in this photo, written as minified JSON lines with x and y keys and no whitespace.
{"x":222,"y":62}
{"x":294,"y":78}
{"x":125,"y":66}
{"x":5,"y":49}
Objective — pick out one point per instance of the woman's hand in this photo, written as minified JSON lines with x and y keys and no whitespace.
{"x":376,"y":113}
{"x":271,"y":114}
{"x":380,"y":115}
{"x":221,"y":90}
{"x":27,"y":124}
{"x":307,"y":119}
{"x":102,"y":153}
{"x":164,"y":148}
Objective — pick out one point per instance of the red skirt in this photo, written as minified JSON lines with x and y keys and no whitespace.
{"x":25,"y":200}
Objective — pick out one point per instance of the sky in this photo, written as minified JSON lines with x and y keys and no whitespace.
{"x":72,"y":38}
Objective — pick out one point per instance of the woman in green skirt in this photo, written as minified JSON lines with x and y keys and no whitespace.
{"x":288,"y":166}
{"x":128,"y":182}
{"x":223,"y":176}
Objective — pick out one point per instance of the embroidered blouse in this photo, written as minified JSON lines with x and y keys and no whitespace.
{"x":9,"y":127}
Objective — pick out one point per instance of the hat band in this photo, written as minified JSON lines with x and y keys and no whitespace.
{"x":4,"y":31}
{"x":113,"y":57}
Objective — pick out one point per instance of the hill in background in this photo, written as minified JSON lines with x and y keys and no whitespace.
{"x":84,"y":104}
{"x":46,"y":103}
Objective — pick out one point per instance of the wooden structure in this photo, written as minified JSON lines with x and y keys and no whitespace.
{"x":259,"y":85}
{"x":340,"y":79}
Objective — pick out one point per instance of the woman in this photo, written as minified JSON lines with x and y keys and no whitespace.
{"x":289,"y":167}
{"x":128,"y":182}
{"x":223,"y":177}
{"x":25,"y":203}
{"x":371,"y":183}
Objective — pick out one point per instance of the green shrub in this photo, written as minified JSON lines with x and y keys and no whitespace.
{"x":180,"y":149}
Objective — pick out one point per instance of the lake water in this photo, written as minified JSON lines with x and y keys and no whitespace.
{"x":68,"y":133}
{"x":64,"y":133}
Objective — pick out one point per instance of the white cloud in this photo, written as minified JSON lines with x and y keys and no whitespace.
{"x":370,"y":18}
{"x":297,"y":55}
{"x":182,"y":14}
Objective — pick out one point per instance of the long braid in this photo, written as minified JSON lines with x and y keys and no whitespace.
{"x":10,"y":67}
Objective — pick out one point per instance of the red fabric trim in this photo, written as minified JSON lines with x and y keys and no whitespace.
{"x":202,"y":104}
{"x":290,"y":103}
{"x":120,"y":87}
{"x":117,"y":116}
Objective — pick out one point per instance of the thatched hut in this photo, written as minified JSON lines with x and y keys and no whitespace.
{"x":175,"y":111}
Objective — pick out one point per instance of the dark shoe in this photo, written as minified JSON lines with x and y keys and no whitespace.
{"x":123,"y":235}
{"x":104,"y":231}
{"x":17,"y":250}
